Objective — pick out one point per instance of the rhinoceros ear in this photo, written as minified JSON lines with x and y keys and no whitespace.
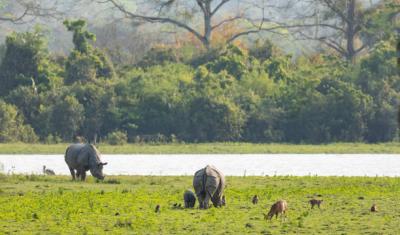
{"x":104,"y":163}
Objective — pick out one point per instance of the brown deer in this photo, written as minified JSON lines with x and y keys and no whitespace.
{"x":314,"y":202}
{"x":255,"y":199}
{"x":279,"y":207}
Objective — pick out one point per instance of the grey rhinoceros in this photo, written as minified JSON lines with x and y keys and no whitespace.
{"x":209,"y":183}
{"x":189,"y":198}
{"x":84,"y":157}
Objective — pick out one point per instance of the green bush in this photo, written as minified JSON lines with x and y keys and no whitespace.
{"x":12,"y":127}
{"x":85,"y":63}
{"x":25,"y":61}
{"x":117,"y":138}
{"x":51,"y":139}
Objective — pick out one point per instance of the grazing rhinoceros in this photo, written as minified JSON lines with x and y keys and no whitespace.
{"x":209,"y":183}
{"x":189,"y":198}
{"x":84,"y":157}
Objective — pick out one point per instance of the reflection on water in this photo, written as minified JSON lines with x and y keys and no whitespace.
{"x":230,"y":164}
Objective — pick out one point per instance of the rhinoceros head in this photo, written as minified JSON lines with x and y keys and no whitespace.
{"x":97,"y":171}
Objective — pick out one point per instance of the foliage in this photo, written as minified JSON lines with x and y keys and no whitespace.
{"x":12,"y":127}
{"x":85,"y":63}
{"x":159,"y":56}
{"x":24,"y":62}
{"x":379,"y":77}
{"x":256,"y":94}
{"x":66,"y":117}
{"x":81,"y":36}
{"x":117,"y":138}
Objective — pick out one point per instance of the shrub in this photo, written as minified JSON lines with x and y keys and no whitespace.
{"x":12,"y":127}
{"x":117,"y":138}
{"x":51,"y":139}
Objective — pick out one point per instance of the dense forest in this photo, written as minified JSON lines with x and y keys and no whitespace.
{"x":208,"y":88}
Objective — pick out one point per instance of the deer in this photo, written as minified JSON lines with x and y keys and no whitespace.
{"x":279,"y":207}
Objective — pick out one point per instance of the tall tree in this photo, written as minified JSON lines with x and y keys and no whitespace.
{"x":85,"y":63}
{"x":25,"y":62}
{"x":345,"y":25}
{"x":182,"y":14}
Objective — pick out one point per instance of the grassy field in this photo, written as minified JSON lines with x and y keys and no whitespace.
{"x":125,"y":205}
{"x":211,"y":148}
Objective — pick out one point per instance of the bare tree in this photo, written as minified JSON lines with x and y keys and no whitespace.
{"x":182,"y":14}
{"x":21,"y":11}
{"x":125,"y":44}
{"x":339,"y":24}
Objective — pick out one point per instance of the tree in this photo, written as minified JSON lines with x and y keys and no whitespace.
{"x":28,"y":102}
{"x":67,"y":116}
{"x":25,"y":62}
{"x":81,"y":36}
{"x":179,"y":12}
{"x":346,"y":26}
{"x":21,"y":11}
{"x":12,"y":127}
{"x":379,"y":77}
{"x":154,"y":101}
{"x":215,"y":119}
{"x":85,"y":63}
{"x":96,"y":99}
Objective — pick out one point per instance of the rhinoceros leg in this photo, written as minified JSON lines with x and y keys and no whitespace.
{"x":206,"y":201}
{"x":83,"y":175}
{"x":72,"y":173}
{"x":200,"y":197}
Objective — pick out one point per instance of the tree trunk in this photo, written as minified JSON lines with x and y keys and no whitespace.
{"x":207,"y":25}
{"x":350,"y":31}
{"x":398,"y":53}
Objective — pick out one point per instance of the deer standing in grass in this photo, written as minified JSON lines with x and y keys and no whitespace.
{"x":279,"y":207}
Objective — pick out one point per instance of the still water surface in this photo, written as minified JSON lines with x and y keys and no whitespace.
{"x":230,"y":164}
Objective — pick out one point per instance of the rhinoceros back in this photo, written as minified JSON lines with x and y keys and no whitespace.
{"x":208,"y":180}
{"x":75,"y":156}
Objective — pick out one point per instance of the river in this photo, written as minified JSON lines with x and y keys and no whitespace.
{"x":230,"y":164}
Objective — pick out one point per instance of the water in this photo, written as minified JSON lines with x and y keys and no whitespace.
{"x":230,"y":164}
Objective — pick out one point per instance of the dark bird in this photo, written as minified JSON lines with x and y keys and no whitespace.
{"x":255,"y":199}
{"x":47,"y":171}
{"x":157,"y":209}
{"x":374,"y":208}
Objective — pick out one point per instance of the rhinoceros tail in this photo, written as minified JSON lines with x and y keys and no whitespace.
{"x":204,"y":189}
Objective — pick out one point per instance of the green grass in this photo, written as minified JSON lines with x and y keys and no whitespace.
{"x":125,"y":205}
{"x":210,"y":148}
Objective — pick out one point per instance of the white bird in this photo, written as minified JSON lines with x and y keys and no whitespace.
{"x":48,"y":171}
